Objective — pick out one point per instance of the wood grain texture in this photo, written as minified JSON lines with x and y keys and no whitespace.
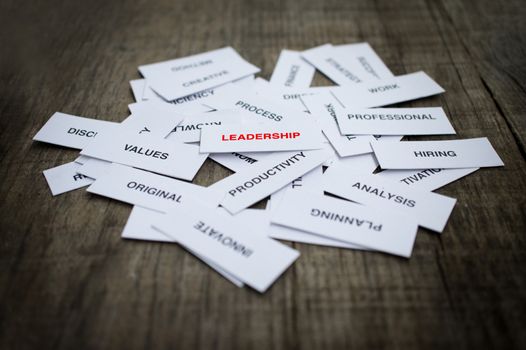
{"x":67,"y":279}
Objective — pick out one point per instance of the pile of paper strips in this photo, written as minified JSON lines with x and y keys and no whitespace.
{"x":314,"y":150}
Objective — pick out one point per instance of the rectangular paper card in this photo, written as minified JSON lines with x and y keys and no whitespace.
{"x":152,"y":118}
{"x":137,"y":87}
{"x":190,"y":129}
{"x":159,"y":155}
{"x":387,"y":91}
{"x":256,"y":260}
{"x":139,"y":226}
{"x":286,"y":96}
{"x":94,"y":168}
{"x":146,"y":189}
{"x":82,"y":159}
{"x":394,"y":121}
{"x":72,"y":131}
{"x":311,"y":182}
{"x":258,"y":137}
{"x":334,"y":64}
{"x":292,"y":71}
{"x":365,"y":163}
{"x":370,"y":65}
{"x":426,"y":179}
{"x":233,"y":161}
{"x":255,"y":107}
{"x":431,"y":210}
{"x":64,"y":178}
{"x":285,"y":233}
{"x":324,"y":109}
{"x":467,"y":153}
{"x":389,"y":232}
{"x":265,"y":177}
{"x":185,"y":76}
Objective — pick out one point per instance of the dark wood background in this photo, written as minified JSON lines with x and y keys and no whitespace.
{"x":67,"y":279}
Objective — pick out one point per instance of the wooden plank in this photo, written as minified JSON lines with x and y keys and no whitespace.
{"x":69,"y":281}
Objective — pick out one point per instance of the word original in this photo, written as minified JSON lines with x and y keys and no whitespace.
{"x":154,"y":191}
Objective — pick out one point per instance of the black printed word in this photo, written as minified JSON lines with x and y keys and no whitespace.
{"x":154,"y":191}
{"x":81,"y":132}
{"x":260,"y":111}
{"x":391,"y":117}
{"x":267,"y":174}
{"x":205,"y":79}
{"x":345,"y":219}
{"x":292,"y":75}
{"x":384,"y":88}
{"x":193,"y":97}
{"x":343,"y":70}
{"x":223,"y":239}
{"x":420,"y":175}
{"x":383,"y":194}
{"x":435,"y":154}
{"x":146,"y":152}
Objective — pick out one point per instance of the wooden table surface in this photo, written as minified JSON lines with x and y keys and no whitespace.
{"x":68,"y":281}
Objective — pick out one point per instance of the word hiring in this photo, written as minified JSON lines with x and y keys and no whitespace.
{"x":82,"y":132}
{"x":261,"y":136}
{"x":435,"y":153}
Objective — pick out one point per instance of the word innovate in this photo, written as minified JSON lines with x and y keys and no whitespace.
{"x":267,"y":174}
{"x":382,"y":194}
{"x":154,"y":191}
{"x":222,"y":239}
{"x":261,"y":136}
{"x":345,"y":219}
{"x":391,"y":116}
{"x":259,"y":111}
{"x":420,"y":175}
{"x":147,"y":152}
{"x":435,"y":153}
{"x":206,"y":78}
{"x":81,"y":132}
